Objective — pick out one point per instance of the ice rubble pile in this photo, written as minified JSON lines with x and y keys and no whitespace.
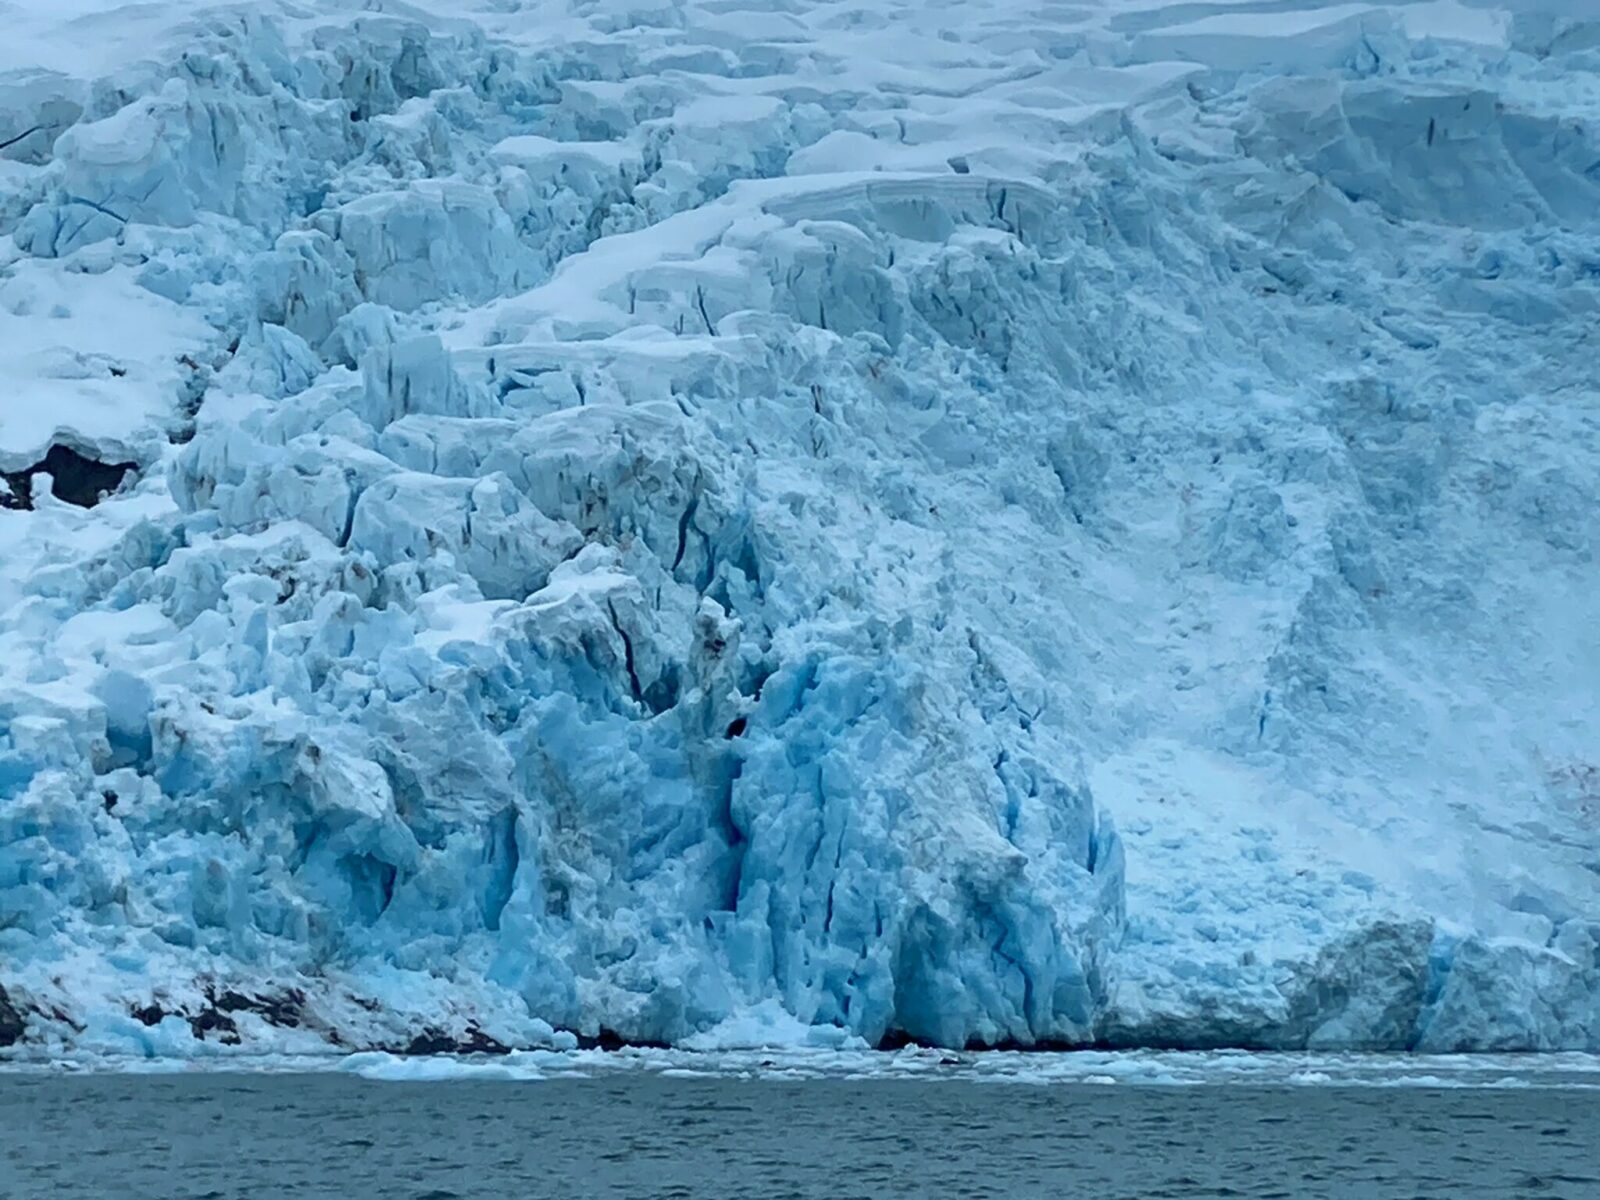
{"x":998,"y":525}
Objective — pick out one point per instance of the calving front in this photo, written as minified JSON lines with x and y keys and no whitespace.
{"x":1013,"y":528}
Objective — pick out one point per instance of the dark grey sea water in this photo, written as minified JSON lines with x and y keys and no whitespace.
{"x":327,"y":1136}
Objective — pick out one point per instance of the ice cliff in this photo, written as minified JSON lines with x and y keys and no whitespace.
{"x":996,"y":524}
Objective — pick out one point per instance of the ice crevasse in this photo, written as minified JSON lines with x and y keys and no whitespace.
{"x":692,"y":522}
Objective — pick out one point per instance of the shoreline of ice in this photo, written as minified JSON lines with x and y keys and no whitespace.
{"x":1576,"y":1071}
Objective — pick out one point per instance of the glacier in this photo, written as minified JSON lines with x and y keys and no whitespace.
{"x":844,"y":522}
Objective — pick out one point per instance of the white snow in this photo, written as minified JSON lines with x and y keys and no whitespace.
{"x":92,"y":359}
{"x":1007,"y":524}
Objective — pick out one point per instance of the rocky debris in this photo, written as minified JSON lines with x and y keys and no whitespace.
{"x":74,"y":478}
{"x":13,"y":1020}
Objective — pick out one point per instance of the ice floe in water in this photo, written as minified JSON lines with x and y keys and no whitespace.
{"x":932,"y":1066}
{"x":1165,"y":1068}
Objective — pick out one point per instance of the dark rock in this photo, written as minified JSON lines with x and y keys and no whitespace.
{"x":75,"y":478}
{"x":430,"y":1041}
{"x":897,"y":1039}
{"x":609,"y":1039}
{"x":209,"y":1020}
{"x":13,"y":1023}
{"x":150,"y":1014}
{"x":62,"y":1016}
{"x":475,"y":1041}
{"x":284,"y":1009}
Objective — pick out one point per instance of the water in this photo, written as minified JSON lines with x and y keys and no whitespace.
{"x":270,"y":1136}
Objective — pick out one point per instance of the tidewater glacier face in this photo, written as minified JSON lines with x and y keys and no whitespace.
{"x":1002,"y":526}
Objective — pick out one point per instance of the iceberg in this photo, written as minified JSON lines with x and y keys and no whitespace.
{"x":690,"y":525}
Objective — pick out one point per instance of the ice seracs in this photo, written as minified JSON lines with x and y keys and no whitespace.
{"x":703,"y":526}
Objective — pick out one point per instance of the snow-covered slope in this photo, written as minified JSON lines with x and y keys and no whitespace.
{"x":1002,"y":523}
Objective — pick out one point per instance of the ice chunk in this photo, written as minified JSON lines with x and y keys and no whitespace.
{"x":436,"y":240}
